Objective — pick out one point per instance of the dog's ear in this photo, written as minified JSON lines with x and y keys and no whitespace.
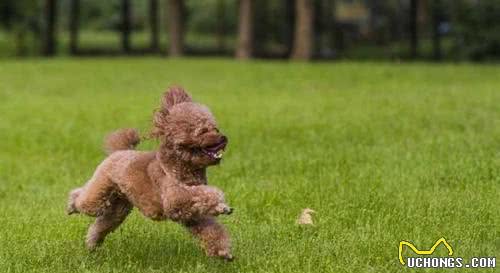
{"x":173,"y":96}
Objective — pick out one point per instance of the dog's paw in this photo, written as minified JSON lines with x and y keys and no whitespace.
{"x":223,"y":209}
{"x":225,"y":255}
{"x":228,"y":210}
{"x":93,"y":242}
{"x":71,"y":207}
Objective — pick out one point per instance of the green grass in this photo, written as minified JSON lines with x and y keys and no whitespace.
{"x":383,"y":152}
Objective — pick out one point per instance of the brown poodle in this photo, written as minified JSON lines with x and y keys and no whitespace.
{"x":169,"y":183}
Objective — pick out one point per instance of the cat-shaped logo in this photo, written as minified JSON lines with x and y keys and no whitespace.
{"x":423,"y":252}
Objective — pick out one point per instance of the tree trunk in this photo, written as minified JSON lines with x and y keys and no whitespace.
{"x":244,"y":46}
{"x":436,"y":35}
{"x":322,"y":27}
{"x":262,"y":18}
{"x":153,"y":23}
{"x":289,"y":8}
{"x":7,"y":15}
{"x":126,"y":25}
{"x":337,"y":36}
{"x":375,"y":31}
{"x":20,"y":40}
{"x":220,"y":32}
{"x":74,"y":25}
{"x":49,"y":45}
{"x":176,"y":27}
{"x":304,"y":30}
{"x":413,"y":29}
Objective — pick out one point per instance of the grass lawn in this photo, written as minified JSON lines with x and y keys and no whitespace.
{"x":383,"y":152}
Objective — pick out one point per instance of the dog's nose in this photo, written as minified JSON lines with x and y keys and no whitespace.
{"x":223,"y":138}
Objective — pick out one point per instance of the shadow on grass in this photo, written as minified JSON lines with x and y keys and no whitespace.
{"x":143,"y":250}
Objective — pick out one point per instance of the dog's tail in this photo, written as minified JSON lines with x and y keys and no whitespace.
{"x":122,"y":139}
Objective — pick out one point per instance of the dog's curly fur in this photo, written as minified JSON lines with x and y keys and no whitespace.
{"x":169,"y":183}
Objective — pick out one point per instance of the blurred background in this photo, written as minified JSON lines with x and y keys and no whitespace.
{"x":440,"y":30}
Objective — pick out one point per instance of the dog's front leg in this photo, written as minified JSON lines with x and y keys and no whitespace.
{"x":177,"y":203}
{"x":213,"y":237}
{"x":209,"y":201}
{"x":185,"y":203}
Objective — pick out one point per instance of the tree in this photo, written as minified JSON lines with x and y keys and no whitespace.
{"x":244,"y":45}
{"x":220,"y":33}
{"x":436,"y":34}
{"x":153,"y":22}
{"x":413,"y":28}
{"x":304,"y":30}
{"x":49,"y":38}
{"x":125,"y":24}
{"x":288,"y":26}
{"x":324,"y":26}
{"x":175,"y":20}
{"x":74,"y":25}
{"x":22,"y":18}
{"x":476,"y":29}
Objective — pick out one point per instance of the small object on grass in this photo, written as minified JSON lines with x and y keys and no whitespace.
{"x":305,"y":217}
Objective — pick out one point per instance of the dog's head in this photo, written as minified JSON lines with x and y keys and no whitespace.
{"x":188,"y":129}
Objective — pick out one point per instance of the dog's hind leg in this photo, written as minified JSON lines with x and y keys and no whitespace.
{"x":213,"y":236}
{"x":108,"y":221}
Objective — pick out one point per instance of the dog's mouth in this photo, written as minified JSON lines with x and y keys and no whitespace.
{"x":216,"y":150}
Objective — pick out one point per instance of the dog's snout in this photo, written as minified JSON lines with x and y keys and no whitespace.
{"x":223,"y":138}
